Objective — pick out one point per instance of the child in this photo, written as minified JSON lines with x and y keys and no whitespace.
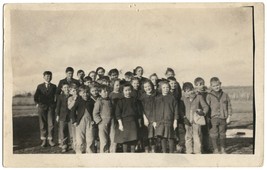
{"x":69,"y":80}
{"x":113,"y":74}
{"x":128,"y":117}
{"x":201,"y":89}
{"x":63,"y":117}
{"x":115,"y":96}
{"x":100,"y":71}
{"x":138,"y":72}
{"x":221,"y":112}
{"x":174,"y":90}
{"x":92,"y":74}
{"x":170,"y":73}
{"x":103,"y":118}
{"x":88,"y":82}
{"x":136,"y":88}
{"x":71,"y":101}
{"x":147,"y":100}
{"x":44,"y":97}
{"x":154,"y":79}
{"x":194,"y":104}
{"x":83,"y":120}
{"x":80,"y":75}
{"x":127,"y":78}
{"x":166,"y":116}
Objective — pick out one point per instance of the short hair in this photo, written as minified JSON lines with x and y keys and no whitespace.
{"x":169,"y":70}
{"x":128,"y":74}
{"x":69,"y":69}
{"x":162,"y":83}
{"x":99,"y":68}
{"x":188,"y":85}
{"x":198,"y":80}
{"x":91,"y":72}
{"x":149,"y":82}
{"x":80,"y":71}
{"x":47,"y":73}
{"x":103,"y":87}
{"x":135,"y":78}
{"x":127,"y":85}
{"x":83,"y":88}
{"x":87,"y":78}
{"x":171,"y":79}
{"x":134,"y":70}
{"x":114,"y":70}
{"x":73,"y":86}
{"x":154,"y":74}
{"x":64,"y":83}
{"x":105,"y":78}
{"x":214,"y":79}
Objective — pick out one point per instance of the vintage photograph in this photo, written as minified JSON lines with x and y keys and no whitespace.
{"x":135,"y":79}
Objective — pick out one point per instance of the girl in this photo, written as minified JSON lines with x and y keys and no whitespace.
{"x":166,"y":116}
{"x":100,"y":72}
{"x":138,"y":72}
{"x":155,"y":80}
{"x":114,"y":96}
{"x":128,"y":116}
{"x":136,"y":88}
{"x":147,"y":100}
{"x":92,"y":74}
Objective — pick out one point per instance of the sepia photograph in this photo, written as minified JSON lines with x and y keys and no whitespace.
{"x":167,"y":85}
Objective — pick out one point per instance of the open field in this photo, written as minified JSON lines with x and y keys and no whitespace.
{"x":26,"y":126}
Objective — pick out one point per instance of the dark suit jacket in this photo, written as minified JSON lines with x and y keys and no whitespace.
{"x":45,"y":96}
{"x":62,"y":108}
{"x":63,"y":81}
{"x":78,"y":110}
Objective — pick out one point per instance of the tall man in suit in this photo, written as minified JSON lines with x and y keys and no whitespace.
{"x":44,"y":97}
{"x":68,"y":80}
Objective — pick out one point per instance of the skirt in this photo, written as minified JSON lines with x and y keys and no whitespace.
{"x":130,"y":130}
{"x":165,"y":130}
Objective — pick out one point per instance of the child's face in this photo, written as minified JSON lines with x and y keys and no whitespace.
{"x":200,"y":86}
{"x":92,"y":75}
{"x":188,"y":92}
{"x":139,"y":72}
{"x":88,"y":83}
{"x":154,"y":79}
{"x":81,"y":75}
{"x":173,"y":84}
{"x":165,"y":89}
{"x":100,"y":72}
{"x":147,"y":88}
{"x":47,"y":78}
{"x":69,"y":74}
{"x":127,"y":91}
{"x":128,"y":78}
{"x":65,"y":89}
{"x":73,"y":91}
{"x":94,"y":92}
{"x":105,"y":82}
{"x":104,"y":93}
{"x":216,"y":86}
{"x":116,"y":86}
{"x":169,"y":74}
{"x":83,"y":94}
{"x":114,"y":76}
{"x":135,"y":84}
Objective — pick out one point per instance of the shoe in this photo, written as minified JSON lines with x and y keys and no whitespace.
{"x":223,"y":151}
{"x":51,"y":143}
{"x":64,"y":150}
{"x":216,"y":151}
{"x":179,"y":148}
{"x":43,"y":143}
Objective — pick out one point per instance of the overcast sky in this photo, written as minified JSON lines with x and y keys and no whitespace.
{"x":194,"y":42}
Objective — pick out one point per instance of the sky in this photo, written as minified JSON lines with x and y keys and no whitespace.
{"x":193,"y":41}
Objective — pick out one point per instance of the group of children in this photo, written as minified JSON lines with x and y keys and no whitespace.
{"x":136,"y":114}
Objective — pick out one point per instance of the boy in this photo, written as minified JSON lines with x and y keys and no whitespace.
{"x":80,"y":75}
{"x":69,"y":80}
{"x":44,"y":97}
{"x":221,"y":112}
{"x":201,"y":89}
{"x":88,"y":81}
{"x":113,"y":74}
{"x":83,"y":120}
{"x":63,"y":117}
{"x":103,"y":118}
{"x":194,"y":105}
{"x":127,"y":78}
